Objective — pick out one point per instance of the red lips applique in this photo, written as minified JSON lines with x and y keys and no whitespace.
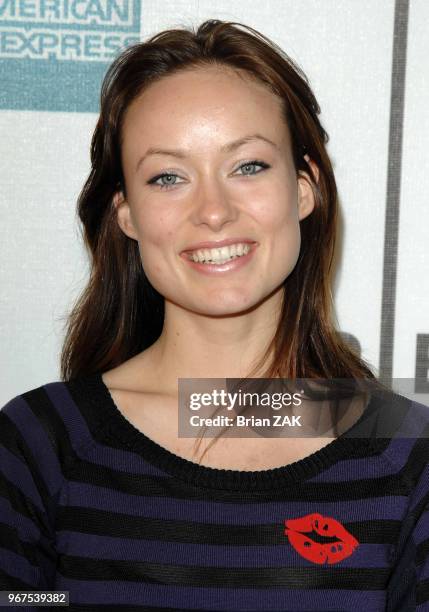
{"x":319,"y":552}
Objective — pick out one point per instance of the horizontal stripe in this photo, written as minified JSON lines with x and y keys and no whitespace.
{"x":73,"y":431}
{"x":104,"y":547}
{"x":232,"y":480}
{"x":172,"y":487}
{"x":85,"y":520}
{"x":19,"y":504}
{"x":13,"y":469}
{"x":55,"y":429}
{"x":166,"y":508}
{"x":413,"y":419}
{"x":131,"y":523}
{"x":18,"y":463}
{"x":350,"y":470}
{"x":415,"y":435}
{"x":315,"y":577}
{"x":38,"y":443}
{"x":206,"y":598}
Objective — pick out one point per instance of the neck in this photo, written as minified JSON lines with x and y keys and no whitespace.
{"x":194,"y":345}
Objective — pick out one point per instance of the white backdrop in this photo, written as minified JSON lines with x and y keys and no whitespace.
{"x":344,"y":46}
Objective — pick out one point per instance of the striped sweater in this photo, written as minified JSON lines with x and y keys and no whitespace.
{"x":91,"y":505}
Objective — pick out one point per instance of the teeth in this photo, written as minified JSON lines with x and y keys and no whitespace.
{"x":220,"y":255}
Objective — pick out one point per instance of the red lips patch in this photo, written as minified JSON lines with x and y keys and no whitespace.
{"x":320,"y":552}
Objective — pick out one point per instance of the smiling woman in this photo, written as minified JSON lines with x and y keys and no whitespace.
{"x":210,"y":219}
{"x":218,"y":197}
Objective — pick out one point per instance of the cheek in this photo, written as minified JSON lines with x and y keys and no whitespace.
{"x":277,"y":214}
{"x":277,"y":205}
{"x":156,"y":235}
{"x":155,"y":229}
{"x":282,"y":223}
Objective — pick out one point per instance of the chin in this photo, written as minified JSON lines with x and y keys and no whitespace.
{"x":218,"y":307}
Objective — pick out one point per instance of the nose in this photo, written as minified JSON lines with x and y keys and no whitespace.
{"x":212,"y":205}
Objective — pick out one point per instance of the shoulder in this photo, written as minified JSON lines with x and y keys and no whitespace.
{"x":407,"y":420}
{"x":402,"y":430}
{"x":32,"y":404}
{"x":31,"y":457}
{"x":42,"y":427}
{"x":408,"y":451}
{"x":36,"y":406}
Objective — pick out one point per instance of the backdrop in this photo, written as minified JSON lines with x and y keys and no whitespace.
{"x":367,"y":63}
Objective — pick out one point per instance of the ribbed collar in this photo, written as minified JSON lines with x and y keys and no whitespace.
{"x":92,"y":391}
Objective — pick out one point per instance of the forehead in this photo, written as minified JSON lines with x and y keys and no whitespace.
{"x":204,"y":102}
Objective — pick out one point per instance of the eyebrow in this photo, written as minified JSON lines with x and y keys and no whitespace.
{"x":227,"y":148}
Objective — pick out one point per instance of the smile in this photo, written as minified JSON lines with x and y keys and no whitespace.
{"x":220,"y":260}
{"x":219,"y":255}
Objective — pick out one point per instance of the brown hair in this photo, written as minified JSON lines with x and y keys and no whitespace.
{"x":119,"y":313}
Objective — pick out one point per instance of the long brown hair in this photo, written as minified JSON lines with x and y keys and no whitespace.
{"x":119,"y":313}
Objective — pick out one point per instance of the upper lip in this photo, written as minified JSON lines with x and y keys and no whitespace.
{"x":217,"y":244}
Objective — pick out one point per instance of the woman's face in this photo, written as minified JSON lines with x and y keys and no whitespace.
{"x":213,"y":190}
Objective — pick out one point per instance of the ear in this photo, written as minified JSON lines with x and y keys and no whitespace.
{"x":123,"y":215}
{"x":306,"y":199}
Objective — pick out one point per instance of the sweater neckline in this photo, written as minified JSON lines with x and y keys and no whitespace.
{"x":345,"y":446}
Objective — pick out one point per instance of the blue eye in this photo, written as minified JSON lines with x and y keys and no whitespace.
{"x":170,"y":179}
{"x":153,"y":181}
{"x":255,"y":162}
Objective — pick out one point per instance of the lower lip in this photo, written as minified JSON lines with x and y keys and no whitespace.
{"x":228,"y":266}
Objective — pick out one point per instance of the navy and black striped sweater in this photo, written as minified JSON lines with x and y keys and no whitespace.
{"x":90,"y":505}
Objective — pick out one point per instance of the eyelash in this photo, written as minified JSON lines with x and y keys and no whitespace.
{"x":255,"y":162}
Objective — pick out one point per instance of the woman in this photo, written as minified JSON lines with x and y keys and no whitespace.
{"x":210,"y":218}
